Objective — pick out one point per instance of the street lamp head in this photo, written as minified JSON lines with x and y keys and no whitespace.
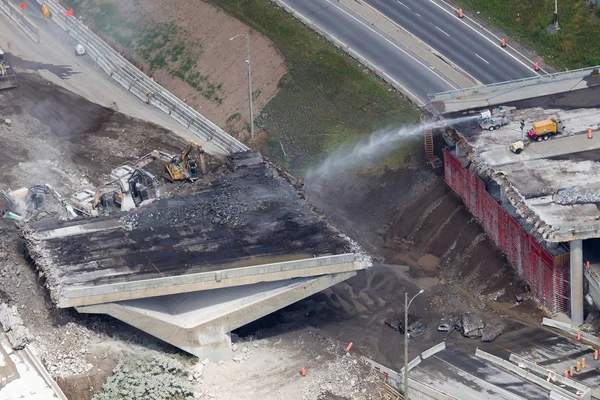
{"x":421,"y":291}
{"x":238,"y":35}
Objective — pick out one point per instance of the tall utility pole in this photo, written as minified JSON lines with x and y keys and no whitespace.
{"x":249,"y":81}
{"x":406,"y":305}
{"x":556,"y":14}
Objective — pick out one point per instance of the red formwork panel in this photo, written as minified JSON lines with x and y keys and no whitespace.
{"x":547,"y":276}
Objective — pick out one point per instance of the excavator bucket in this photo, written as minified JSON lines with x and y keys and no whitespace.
{"x":8,"y":82}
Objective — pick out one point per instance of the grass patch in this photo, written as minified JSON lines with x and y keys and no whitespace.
{"x":575,"y":45}
{"x":325,"y":100}
{"x":163,"y":46}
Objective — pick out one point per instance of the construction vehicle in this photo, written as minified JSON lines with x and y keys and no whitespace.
{"x":128,"y":188}
{"x":8,"y":79}
{"x":184,"y":166}
{"x":493,"y":120}
{"x":542,"y":130}
{"x":517,"y":147}
{"x":20,"y":202}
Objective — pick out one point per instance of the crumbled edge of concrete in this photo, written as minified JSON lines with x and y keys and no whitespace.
{"x":12,"y":324}
{"x":541,"y":230}
{"x":43,"y":262}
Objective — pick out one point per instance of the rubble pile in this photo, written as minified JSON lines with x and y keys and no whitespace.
{"x":12,"y":325}
{"x":574,"y":195}
{"x":416,"y":325}
{"x":471,"y":326}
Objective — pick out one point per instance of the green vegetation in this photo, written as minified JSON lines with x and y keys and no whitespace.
{"x":575,"y":45}
{"x":164,"y":46}
{"x":325,"y":100}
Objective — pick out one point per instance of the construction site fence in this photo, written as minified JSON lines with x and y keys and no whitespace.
{"x":16,"y":14}
{"x":346,"y":48}
{"x":546,"y":275}
{"x":139,"y":84}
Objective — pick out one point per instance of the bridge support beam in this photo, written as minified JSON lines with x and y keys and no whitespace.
{"x":576,"y":282}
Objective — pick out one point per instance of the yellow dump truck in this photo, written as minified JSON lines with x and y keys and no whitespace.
{"x":542,"y":130}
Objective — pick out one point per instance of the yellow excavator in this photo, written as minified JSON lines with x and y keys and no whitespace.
{"x":180,"y":167}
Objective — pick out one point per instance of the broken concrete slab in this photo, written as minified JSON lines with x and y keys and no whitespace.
{"x":250,"y":226}
{"x":200,"y":322}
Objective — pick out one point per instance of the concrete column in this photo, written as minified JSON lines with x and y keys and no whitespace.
{"x":576,"y":282}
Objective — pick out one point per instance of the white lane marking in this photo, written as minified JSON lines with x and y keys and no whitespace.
{"x":481,"y":58}
{"x":393,"y":44}
{"x":403,"y":4}
{"x":439,"y":29}
{"x":486,"y":38}
{"x":492,"y":34}
{"x":418,"y":15}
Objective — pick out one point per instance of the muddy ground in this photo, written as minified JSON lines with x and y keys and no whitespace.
{"x":422,"y":238}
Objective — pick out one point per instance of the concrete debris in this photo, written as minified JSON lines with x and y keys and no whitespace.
{"x":470,"y":325}
{"x":7,"y":121}
{"x":574,"y":195}
{"x":416,"y":325}
{"x":491,"y":332}
{"x":12,"y":324}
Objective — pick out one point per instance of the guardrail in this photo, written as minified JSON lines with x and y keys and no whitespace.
{"x":17,"y":16}
{"x":140,"y":85}
{"x":523,"y":80}
{"x":346,"y":48}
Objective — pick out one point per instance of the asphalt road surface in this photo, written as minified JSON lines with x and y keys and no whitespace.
{"x":484,"y":60}
{"x":391,"y":56}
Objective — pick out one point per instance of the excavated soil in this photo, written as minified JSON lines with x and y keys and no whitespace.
{"x":57,"y":137}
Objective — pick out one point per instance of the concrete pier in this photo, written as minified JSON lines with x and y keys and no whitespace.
{"x":200,"y":322}
{"x":576,"y":282}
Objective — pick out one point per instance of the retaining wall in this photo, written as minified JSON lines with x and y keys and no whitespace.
{"x":140,"y":85}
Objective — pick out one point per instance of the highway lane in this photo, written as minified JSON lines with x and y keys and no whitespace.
{"x":396,"y":60}
{"x":447,"y":34}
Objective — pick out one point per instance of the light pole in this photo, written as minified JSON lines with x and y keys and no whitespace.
{"x":406,"y":305}
{"x":249,"y":80}
{"x":556,"y":14}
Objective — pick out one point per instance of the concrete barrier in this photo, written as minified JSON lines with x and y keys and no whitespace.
{"x":23,"y":22}
{"x":506,"y":92}
{"x":419,"y":390}
{"x":435,"y":349}
{"x":525,"y":374}
{"x":342,"y":46}
{"x":134,"y":80}
{"x":416,"y":361}
{"x":571,"y":330}
{"x":37,"y":363}
{"x":544,"y":372}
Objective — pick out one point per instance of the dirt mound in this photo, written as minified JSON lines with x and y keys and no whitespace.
{"x":58,"y":137}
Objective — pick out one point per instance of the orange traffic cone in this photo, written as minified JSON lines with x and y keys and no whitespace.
{"x":303,"y":372}
{"x":590,"y":135}
{"x":460,"y":13}
{"x":503,"y":42}
{"x":349,"y":347}
{"x":537,"y":66}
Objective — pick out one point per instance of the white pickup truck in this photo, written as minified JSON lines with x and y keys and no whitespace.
{"x":492,"y":122}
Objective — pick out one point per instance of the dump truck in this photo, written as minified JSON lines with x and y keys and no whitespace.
{"x":8,"y":79}
{"x":492,"y":121}
{"x":542,"y":130}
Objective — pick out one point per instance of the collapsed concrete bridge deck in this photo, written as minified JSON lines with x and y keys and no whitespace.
{"x":249,"y":240}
